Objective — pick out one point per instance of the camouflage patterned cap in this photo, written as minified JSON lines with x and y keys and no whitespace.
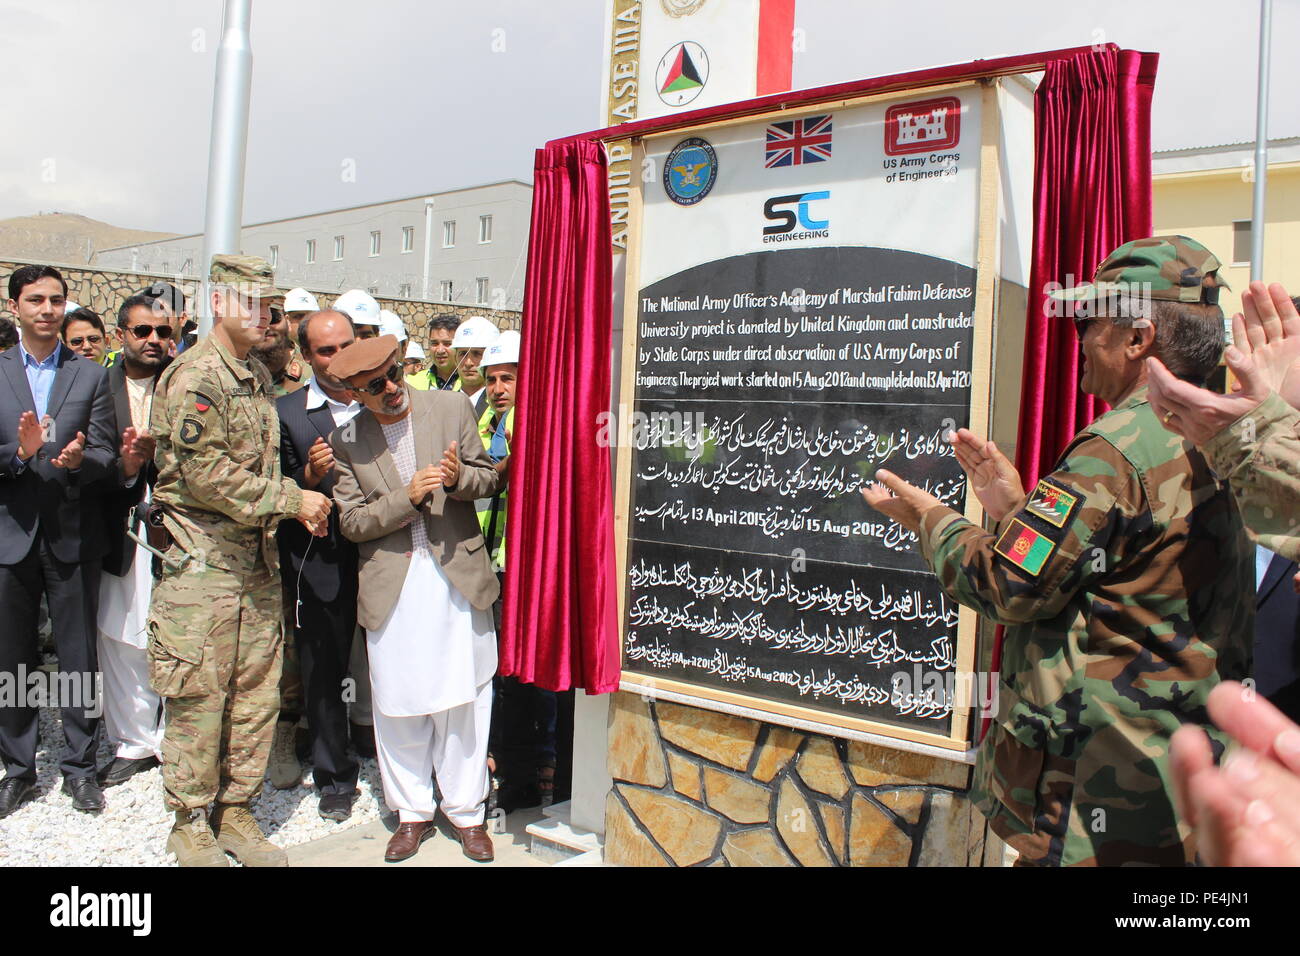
{"x":250,"y":275}
{"x":1172,"y":268}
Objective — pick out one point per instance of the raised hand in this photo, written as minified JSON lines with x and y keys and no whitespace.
{"x":422,"y":484}
{"x":449,"y":467}
{"x":1199,"y":414}
{"x":1268,"y":331}
{"x":31,"y":436}
{"x":897,"y":499}
{"x":320,"y":462}
{"x":70,"y":457}
{"x":992,"y":477}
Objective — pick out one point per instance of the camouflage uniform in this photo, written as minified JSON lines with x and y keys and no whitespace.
{"x":1129,"y":597}
{"x":216,"y":618}
{"x":1126,"y":582}
{"x":295,"y":375}
{"x":1259,"y":455}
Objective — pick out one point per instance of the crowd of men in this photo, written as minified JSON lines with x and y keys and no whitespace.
{"x":297,"y":473}
{"x":273,"y":532}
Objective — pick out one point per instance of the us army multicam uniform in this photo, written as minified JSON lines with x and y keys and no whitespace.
{"x":1126,"y":581}
{"x":1258,"y":455}
{"x":216,"y":617}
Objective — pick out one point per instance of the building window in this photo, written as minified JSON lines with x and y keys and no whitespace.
{"x":405,"y":291}
{"x":338,"y":248}
{"x":449,"y":233}
{"x":481,"y":290}
{"x":373,"y":290}
{"x":275,"y":256}
{"x":186,"y":266}
{"x":1241,"y":238}
{"x":408,"y":238}
{"x":445,"y":290}
{"x":311,"y":250}
{"x":374,"y":244}
{"x":484,"y":228}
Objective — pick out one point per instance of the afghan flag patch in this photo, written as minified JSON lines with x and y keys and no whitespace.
{"x":1024,"y":547}
{"x":1052,"y":503}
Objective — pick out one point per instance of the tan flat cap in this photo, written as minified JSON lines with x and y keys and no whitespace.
{"x":364,"y":355}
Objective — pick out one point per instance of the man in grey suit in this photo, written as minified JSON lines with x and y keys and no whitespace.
{"x":58,"y":454}
{"x":408,"y":470}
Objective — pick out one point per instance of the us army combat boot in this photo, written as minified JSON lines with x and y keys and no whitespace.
{"x":239,"y":835}
{"x":284,"y":770}
{"x":192,"y":841}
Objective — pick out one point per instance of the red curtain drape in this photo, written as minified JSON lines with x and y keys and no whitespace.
{"x":1092,"y":193}
{"x":558,"y":626}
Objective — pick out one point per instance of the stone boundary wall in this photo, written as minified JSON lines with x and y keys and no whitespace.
{"x":697,"y":788}
{"x":103,"y":291}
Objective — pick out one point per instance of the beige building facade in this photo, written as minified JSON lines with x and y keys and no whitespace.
{"x":1206,"y":193}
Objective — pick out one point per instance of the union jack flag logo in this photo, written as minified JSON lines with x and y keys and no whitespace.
{"x":794,"y":142}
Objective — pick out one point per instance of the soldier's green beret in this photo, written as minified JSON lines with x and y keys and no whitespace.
{"x":250,"y":275}
{"x":1172,"y":268}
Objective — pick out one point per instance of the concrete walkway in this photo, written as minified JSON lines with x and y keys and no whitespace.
{"x":364,"y":846}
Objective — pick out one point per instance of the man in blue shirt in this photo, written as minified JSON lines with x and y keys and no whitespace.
{"x":59,"y":452}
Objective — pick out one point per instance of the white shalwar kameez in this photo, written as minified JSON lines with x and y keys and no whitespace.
{"x":431,"y":667}
{"x":133,"y":713}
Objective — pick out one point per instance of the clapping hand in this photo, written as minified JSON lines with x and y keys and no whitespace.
{"x":31,"y":435}
{"x":137,"y":451}
{"x":70,"y":457}
{"x":1265,"y":357}
{"x":1244,"y":812}
{"x":992,"y":477}
{"x":449,"y":467}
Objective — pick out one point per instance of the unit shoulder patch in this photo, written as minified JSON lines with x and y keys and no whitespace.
{"x":191,"y":430}
{"x":1052,"y":502}
{"x":1024,"y":547}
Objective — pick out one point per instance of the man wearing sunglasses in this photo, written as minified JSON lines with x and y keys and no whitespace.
{"x":288,"y":374}
{"x":1124,"y":578}
{"x":407,"y":476}
{"x":217,"y":617}
{"x":132,"y":709}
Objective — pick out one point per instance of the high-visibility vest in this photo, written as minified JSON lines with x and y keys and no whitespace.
{"x":492,"y":511}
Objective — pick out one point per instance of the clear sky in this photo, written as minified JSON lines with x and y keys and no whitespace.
{"x":108,"y":104}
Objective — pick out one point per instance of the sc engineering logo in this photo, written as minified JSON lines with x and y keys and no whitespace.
{"x":689,"y":171}
{"x":791,"y":225}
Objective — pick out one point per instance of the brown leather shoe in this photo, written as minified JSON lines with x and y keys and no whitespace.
{"x":406,"y":839}
{"x":475,"y":842}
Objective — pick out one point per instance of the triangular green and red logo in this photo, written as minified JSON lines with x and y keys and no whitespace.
{"x":683,"y":74}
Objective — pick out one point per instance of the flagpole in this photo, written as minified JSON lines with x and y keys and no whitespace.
{"x":233,"y":88}
{"x":1261,"y":144}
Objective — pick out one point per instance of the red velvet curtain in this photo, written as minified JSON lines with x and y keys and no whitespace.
{"x":1092,"y":193}
{"x":559,"y":629}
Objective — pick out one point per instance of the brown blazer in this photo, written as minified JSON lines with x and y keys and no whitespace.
{"x":375,"y":510}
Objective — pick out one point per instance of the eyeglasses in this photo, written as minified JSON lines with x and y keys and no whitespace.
{"x":144,"y":331}
{"x":276,"y":317}
{"x":376,"y":386}
{"x":88,"y":339}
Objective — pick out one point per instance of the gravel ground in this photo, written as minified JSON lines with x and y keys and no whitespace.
{"x":132,"y":829}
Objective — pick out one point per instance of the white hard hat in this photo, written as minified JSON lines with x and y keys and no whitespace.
{"x":69,"y":307}
{"x":475,"y":332}
{"x":300,"y":300}
{"x":361,"y":306}
{"x":414,"y":350}
{"x":390,"y":323}
{"x":504,"y":351}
